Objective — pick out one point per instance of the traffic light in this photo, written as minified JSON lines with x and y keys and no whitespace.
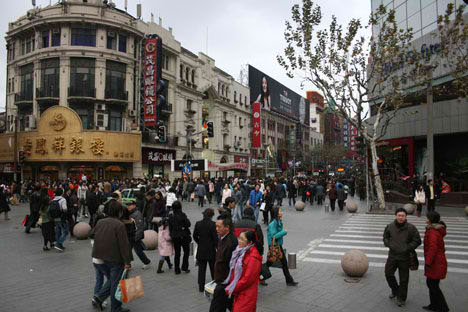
{"x":162,"y":134}
{"x":210,"y":129}
{"x":21,"y":157}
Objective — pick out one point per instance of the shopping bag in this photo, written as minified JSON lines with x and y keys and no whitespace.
{"x":413,"y":261}
{"x":192,"y":196}
{"x":25,"y":220}
{"x":129,"y":289}
{"x":262,"y":207}
{"x":274,"y":252}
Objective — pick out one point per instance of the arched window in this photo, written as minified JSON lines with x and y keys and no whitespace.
{"x":223,"y":160}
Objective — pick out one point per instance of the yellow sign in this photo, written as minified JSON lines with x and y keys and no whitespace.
{"x":340,"y":170}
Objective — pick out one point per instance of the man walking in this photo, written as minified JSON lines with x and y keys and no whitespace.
{"x":61,"y":223}
{"x":255,"y":200}
{"x":432,"y":193}
{"x":34,"y":206}
{"x":400,"y":237}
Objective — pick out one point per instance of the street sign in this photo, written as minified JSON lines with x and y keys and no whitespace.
{"x":195,"y":165}
{"x":187,"y":169}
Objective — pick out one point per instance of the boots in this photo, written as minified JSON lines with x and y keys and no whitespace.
{"x":168,"y":260}
{"x":6,"y":216}
{"x":160,"y":265}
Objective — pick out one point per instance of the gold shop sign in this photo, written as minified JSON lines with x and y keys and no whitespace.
{"x":60,"y":137}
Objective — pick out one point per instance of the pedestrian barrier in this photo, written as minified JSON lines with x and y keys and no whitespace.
{"x":292,"y":261}
{"x":327,"y":208}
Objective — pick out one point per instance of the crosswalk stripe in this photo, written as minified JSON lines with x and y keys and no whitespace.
{"x":372,"y":228}
{"x":382,"y":225}
{"x":378,"y":264}
{"x":380,"y":242}
{"x":380,"y":237}
{"x":381,"y":233}
{"x":447,"y":252}
{"x":410,"y":219}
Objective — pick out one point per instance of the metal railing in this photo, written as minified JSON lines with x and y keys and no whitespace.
{"x":116,"y":94}
{"x":49,"y":92}
{"x":81,"y":92}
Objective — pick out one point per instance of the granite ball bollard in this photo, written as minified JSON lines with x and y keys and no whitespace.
{"x":81,"y":230}
{"x":355,"y":263}
{"x":409,"y":208}
{"x":466,"y":210}
{"x":351,"y":207}
{"x":300,"y":205}
{"x":150,"y":239}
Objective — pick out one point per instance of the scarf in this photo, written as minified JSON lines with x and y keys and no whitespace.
{"x":236,"y":266}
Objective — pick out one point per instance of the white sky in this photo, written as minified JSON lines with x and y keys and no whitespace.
{"x":239,"y":31}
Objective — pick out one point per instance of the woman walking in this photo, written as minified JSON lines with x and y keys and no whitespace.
{"x":269,"y":201}
{"x":244,"y":269}
{"x":226,"y":193}
{"x":48,"y":225}
{"x":419,"y":199}
{"x":276,"y":232}
{"x":165,"y":246}
{"x":332,"y":195}
{"x":435,"y":262}
{"x":179,"y":227}
{"x":4,"y":207}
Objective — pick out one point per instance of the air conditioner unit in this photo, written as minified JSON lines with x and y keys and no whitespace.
{"x":111,"y":34}
{"x":56,"y":31}
{"x":132,"y":113}
{"x":101,"y":121}
{"x":101,"y":107}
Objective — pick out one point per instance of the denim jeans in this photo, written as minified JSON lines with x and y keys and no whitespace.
{"x":256,"y":213}
{"x":61,"y":232}
{"x":113,"y":273}
{"x":100,"y":285}
{"x":237,"y":214}
{"x":138,"y":247}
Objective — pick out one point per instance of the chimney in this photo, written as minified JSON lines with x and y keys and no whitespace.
{"x":170,"y":30}
{"x":160,"y":21}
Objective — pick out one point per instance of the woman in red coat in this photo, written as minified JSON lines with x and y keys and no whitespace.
{"x":244,"y":274}
{"x":435,"y":268}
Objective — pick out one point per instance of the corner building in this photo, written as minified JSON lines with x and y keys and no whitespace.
{"x":71,"y":93}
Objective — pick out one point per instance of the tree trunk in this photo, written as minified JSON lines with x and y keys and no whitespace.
{"x":377,"y":180}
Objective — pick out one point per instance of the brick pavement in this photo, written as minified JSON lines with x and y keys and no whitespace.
{"x":32,"y":280}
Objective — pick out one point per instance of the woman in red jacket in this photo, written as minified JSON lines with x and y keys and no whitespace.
{"x":435,"y":268}
{"x":244,"y":274}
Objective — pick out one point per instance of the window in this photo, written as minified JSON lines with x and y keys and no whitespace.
{"x":115,"y":80}
{"x":122,"y":43}
{"x":193,"y":76}
{"x":222,"y":90}
{"x":82,"y":76}
{"x":235,"y":96}
{"x":28,"y":46}
{"x":429,"y":15}
{"x":50,"y":77}
{"x":240,"y":98}
{"x":115,"y":120}
{"x":45,"y":39}
{"x":111,"y":40}
{"x":86,"y":115}
{"x":245,"y":100}
{"x":224,"y":116}
{"x":23,"y":47}
{"x":240,"y":121}
{"x":27,"y":81}
{"x":56,"y":37}
{"x":189,"y":105}
{"x":187,"y":73}
{"x":165,"y":61}
{"x":83,"y":37}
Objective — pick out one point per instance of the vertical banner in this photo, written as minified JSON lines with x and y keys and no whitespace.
{"x":150,"y":78}
{"x":256,"y":133}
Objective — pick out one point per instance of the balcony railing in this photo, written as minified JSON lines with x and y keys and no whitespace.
{"x":116,"y":95}
{"x":24,"y":96}
{"x":82,"y":92}
{"x":167,"y":109}
{"x":49,"y":92}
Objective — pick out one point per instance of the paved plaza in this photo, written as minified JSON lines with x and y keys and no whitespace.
{"x":34,"y":280}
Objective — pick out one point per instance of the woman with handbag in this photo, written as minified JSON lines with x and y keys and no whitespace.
{"x":276,"y":232}
{"x":435,"y":262}
{"x":179,"y":228}
{"x":244,"y":269}
{"x":419,"y":199}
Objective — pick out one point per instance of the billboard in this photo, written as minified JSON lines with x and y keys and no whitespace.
{"x":274,"y":96}
{"x":151,"y":76}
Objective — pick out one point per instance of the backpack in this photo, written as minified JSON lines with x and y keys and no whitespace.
{"x":54,"y":210}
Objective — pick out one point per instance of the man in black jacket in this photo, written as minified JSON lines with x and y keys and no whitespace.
{"x":400,"y":237}
{"x":137,"y":244}
{"x":92,"y":201}
{"x":432,"y":194}
{"x":226,"y":245}
{"x":206,"y":237}
{"x":34,"y":206}
{"x":247,"y":223}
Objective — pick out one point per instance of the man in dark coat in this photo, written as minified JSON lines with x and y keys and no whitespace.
{"x":34,"y":206}
{"x":292,"y":192}
{"x":247,"y":223}
{"x":400,"y":237}
{"x":92,"y":201}
{"x":137,"y":244}
{"x":280,"y":193}
{"x":432,"y":191}
{"x":226,"y":245}
{"x":206,"y":238}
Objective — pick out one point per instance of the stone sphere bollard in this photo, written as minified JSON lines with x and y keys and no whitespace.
{"x":81,"y":230}
{"x":300,"y":205}
{"x":410,"y":208}
{"x":466,"y":210}
{"x":150,"y":239}
{"x":355,"y":263}
{"x":351,"y":207}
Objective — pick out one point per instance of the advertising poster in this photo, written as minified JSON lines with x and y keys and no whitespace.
{"x":256,"y":129}
{"x":150,"y":78}
{"x":273,"y":96}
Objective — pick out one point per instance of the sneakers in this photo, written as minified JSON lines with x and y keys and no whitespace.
{"x":45,"y":248}
{"x":429,"y":308}
{"x":146,"y":266}
{"x":293,"y":283}
{"x":59,"y":248}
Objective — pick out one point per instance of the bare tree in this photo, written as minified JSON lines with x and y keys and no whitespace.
{"x":352,"y":68}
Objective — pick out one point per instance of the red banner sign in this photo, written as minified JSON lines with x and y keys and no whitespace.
{"x":241,"y":159}
{"x":227,"y":167}
{"x":256,"y":130}
{"x":151,"y":78}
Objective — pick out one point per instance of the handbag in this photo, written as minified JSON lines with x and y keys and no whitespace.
{"x":413,"y":261}
{"x":129,"y":289}
{"x":262,"y":207}
{"x":274,"y":252}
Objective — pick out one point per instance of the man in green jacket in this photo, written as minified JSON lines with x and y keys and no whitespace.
{"x":400,"y":237}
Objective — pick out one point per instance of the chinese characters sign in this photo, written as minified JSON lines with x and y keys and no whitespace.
{"x":151,"y":78}
{"x":256,"y":135}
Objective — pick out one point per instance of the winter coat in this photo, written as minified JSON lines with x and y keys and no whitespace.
{"x":4,"y":207}
{"x":158,"y":207}
{"x":340,"y":194}
{"x":224,"y":251}
{"x":400,"y":239}
{"x":226,"y":193}
{"x":319,"y":190}
{"x":280,"y":192}
{"x":238,"y":196}
{"x":275,"y":229}
{"x":292,"y":190}
{"x":136,"y":215}
{"x":246,"y":291}
{"x":165,"y":246}
{"x":247,"y":223}
{"x":332,"y":194}
{"x":200,"y":190}
{"x":435,"y":262}
{"x":255,"y":197}
{"x":206,"y":238}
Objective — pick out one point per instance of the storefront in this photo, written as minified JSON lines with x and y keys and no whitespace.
{"x":396,"y":157}
{"x":156,"y":161}
{"x":61,"y":149}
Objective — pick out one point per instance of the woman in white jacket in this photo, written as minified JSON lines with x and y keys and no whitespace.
{"x":226,"y":193}
{"x":170,"y":198}
{"x":419,"y":199}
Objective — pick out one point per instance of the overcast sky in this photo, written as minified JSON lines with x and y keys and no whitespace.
{"x":239,"y":32}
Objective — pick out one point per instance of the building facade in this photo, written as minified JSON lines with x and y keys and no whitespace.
{"x":317,"y":107}
{"x":71,"y":71}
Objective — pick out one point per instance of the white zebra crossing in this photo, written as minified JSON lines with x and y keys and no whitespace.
{"x":365,"y":232}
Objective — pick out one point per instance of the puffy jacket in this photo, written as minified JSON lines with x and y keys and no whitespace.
{"x":165,"y":246}
{"x":435,"y":262}
{"x":275,"y":229}
{"x":246,"y":291}
{"x":247,"y":223}
{"x":400,"y":239}
{"x":255,"y":197}
{"x":136,"y":215}
{"x":200,"y":190}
